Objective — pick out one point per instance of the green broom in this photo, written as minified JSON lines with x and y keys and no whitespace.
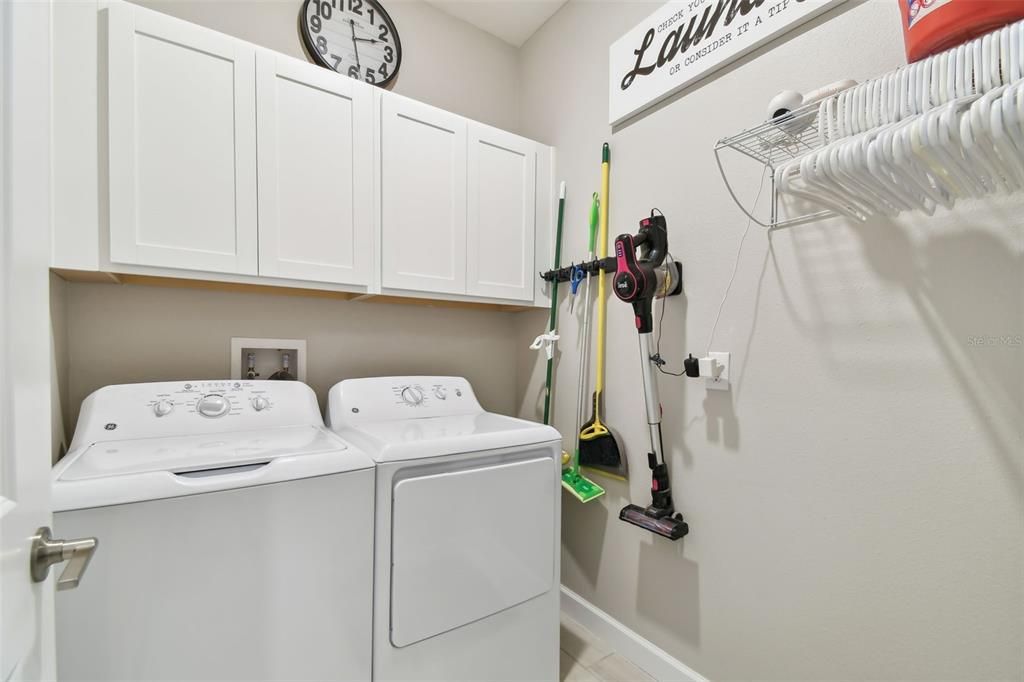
{"x":576,"y":483}
{"x":548,"y":339}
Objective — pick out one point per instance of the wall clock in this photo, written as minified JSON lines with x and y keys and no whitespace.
{"x":354,"y":37}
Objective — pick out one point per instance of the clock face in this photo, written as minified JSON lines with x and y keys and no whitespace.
{"x":354,"y":37}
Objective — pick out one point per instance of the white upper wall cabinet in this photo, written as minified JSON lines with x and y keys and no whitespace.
{"x":219,"y":160}
{"x":315,"y":165}
{"x":501,"y":232}
{"x":182,"y":135}
{"x":423,"y":197}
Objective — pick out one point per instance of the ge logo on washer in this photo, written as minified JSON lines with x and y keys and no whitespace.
{"x":111,"y":426}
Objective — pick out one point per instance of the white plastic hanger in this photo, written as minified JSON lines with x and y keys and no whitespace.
{"x":950,"y":147}
{"x":1016,"y":51}
{"x":875,"y":184}
{"x":981,"y":140}
{"x":1002,"y":118}
{"x":785,"y":176}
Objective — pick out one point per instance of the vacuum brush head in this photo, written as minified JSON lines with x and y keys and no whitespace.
{"x":671,"y":527}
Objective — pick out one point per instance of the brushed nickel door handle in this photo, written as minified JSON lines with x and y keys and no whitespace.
{"x":46,"y":552}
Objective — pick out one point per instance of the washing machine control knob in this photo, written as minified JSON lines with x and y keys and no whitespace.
{"x":412,"y":395}
{"x":259,"y":403}
{"x":440,"y":392}
{"x":213,"y":405}
{"x":162,"y":408}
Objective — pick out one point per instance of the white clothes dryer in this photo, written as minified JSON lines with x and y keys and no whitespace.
{"x":466,"y":583}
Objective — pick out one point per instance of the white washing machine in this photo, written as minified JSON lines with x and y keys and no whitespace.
{"x":466,"y":583}
{"x":235,"y":537}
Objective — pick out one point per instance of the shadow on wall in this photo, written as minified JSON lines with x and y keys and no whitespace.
{"x":667,"y":589}
{"x":584,"y":527}
{"x":721,"y":423}
{"x":967,"y":286}
{"x":670,"y":598}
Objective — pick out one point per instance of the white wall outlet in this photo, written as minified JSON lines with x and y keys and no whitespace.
{"x":718,"y":371}
{"x":268,"y":357}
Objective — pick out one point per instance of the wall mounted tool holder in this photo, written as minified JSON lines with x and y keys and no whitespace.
{"x":603,"y":265}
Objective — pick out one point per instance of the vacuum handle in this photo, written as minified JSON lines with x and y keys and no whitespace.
{"x":653,"y":237}
{"x":632,"y":283}
{"x":643,"y":316}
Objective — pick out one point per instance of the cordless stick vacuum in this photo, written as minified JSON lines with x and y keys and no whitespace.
{"x":639,"y":280}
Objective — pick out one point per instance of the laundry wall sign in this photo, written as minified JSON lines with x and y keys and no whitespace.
{"x":686,"y":40}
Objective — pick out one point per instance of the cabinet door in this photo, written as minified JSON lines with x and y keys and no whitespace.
{"x":502,"y":182}
{"x":182,"y":117}
{"x":314,"y":132}
{"x":423,"y":197}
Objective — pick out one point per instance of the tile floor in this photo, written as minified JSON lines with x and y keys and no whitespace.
{"x":585,"y":658}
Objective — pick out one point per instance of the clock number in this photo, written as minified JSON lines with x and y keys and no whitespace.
{"x":318,"y":25}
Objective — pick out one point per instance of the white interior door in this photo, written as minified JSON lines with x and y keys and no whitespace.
{"x":502,"y":223}
{"x":423,"y":197}
{"x":26,"y":608}
{"x":315,"y":168}
{"x":182,"y":122}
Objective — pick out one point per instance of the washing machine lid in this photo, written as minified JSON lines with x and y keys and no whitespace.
{"x":408,"y":439}
{"x":132,"y":470}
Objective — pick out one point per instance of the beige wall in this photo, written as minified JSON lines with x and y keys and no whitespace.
{"x":130,"y":333}
{"x":856,"y":503}
{"x":445,"y":61}
{"x":61,"y":422}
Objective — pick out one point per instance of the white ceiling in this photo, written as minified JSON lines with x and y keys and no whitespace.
{"x":514,"y":21}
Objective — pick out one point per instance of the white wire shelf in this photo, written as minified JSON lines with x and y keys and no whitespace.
{"x":981,"y":65}
{"x":770,"y":144}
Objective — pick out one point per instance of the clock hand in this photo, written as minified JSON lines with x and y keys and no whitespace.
{"x":352,"y":24}
{"x":366,"y":40}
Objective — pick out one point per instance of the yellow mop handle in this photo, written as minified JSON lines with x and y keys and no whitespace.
{"x":602,"y":300}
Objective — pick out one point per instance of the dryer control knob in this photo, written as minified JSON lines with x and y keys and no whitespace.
{"x":412,"y":395}
{"x":259,"y":403}
{"x":162,"y":408}
{"x":213,"y":405}
{"x":440,"y":392}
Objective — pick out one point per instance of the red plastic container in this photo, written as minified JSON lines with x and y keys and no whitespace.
{"x":931,"y":26}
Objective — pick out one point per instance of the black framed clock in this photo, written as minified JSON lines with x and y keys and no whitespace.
{"x":356,"y":38}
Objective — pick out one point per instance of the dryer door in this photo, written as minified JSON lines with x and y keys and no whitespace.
{"x":470,"y":543}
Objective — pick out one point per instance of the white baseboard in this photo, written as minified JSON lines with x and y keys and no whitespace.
{"x":652,"y":660}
